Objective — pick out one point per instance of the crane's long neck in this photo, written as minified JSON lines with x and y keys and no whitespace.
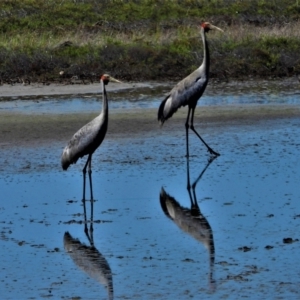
{"x":104,"y":101}
{"x":206,"y":58}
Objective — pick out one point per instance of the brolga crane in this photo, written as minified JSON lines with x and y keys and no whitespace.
{"x":189,"y":90}
{"x":87,"y":139}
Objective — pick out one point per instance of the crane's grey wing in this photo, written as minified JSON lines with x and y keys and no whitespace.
{"x":186,"y":92}
{"x":85,"y":141}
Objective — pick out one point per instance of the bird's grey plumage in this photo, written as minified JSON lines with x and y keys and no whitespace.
{"x":88,"y":138}
{"x":189,"y":90}
{"x":186,"y":92}
{"x":91,"y":261}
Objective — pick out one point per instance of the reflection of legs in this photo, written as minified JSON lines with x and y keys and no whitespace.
{"x":195,"y":211}
{"x":211,"y":159}
{"x":194,"y":204}
{"x":92,"y":198}
{"x":211,"y":151}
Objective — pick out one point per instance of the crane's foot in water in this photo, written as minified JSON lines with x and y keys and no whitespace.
{"x":212,"y":152}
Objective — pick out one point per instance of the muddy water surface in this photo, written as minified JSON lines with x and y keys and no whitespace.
{"x":150,"y":246}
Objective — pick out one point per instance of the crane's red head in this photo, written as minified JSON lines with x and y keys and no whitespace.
{"x":207,"y":27}
{"x":106,"y":79}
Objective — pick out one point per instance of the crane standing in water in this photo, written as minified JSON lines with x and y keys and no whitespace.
{"x":189,"y":90}
{"x":87,"y":139}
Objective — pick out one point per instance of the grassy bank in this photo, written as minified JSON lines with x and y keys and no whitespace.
{"x":146,"y":39}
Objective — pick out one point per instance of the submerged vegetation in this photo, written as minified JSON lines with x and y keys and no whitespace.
{"x":147,"y":39}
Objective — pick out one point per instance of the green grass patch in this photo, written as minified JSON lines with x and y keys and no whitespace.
{"x":147,"y":39}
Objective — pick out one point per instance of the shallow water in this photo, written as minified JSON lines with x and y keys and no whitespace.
{"x":249,"y":93}
{"x":249,"y":197}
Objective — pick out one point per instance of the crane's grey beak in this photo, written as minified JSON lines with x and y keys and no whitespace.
{"x":216,"y":28}
{"x":114,"y":80}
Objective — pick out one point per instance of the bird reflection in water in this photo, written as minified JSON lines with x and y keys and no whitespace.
{"x":192,"y":221}
{"x":89,"y":259}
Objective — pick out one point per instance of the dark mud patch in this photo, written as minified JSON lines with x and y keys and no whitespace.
{"x":36,"y":130}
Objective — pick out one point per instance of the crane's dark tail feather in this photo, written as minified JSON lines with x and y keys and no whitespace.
{"x":160,"y":114}
{"x":65,"y":165}
{"x":65,"y":162}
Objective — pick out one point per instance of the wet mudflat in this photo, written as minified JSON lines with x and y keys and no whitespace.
{"x":248,"y":200}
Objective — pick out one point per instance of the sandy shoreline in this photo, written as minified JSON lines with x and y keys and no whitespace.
{"x":54,"y":89}
{"x":37,"y":90}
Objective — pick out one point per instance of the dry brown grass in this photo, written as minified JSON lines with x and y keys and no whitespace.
{"x":239,"y":32}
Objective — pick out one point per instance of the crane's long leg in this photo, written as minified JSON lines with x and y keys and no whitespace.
{"x":188,"y":179}
{"x":85,"y":219}
{"x":211,"y":151}
{"x":187,"y":132}
{"x":91,"y":190}
{"x":84,"y":176}
{"x":83,"y":197}
{"x":89,"y":235}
